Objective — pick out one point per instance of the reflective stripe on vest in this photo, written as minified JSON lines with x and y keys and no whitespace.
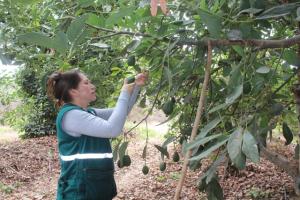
{"x":86,"y":156}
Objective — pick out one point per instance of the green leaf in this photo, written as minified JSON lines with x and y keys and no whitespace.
{"x":250,"y":11}
{"x":200,"y":141}
{"x":168,"y":141}
{"x":298,"y":11}
{"x":296,"y":156}
{"x":116,"y":150}
{"x":291,"y":57}
{"x":188,"y":22}
{"x":203,"y":5}
{"x":132,"y":46}
{"x":95,"y":20}
{"x":177,"y":22}
{"x":249,"y":147}
{"x":239,"y":50}
{"x":60,"y":42}
{"x":236,"y":78}
{"x":101,"y":45}
{"x":276,"y":109}
{"x":183,"y":147}
{"x":122,"y":150}
{"x":25,"y":2}
{"x":263,"y":70}
{"x":115,"y":18}
{"x":213,"y":23}
{"x":234,"y":148}
{"x":34,"y":38}
{"x":162,"y":30}
{"x":278,"y":11}
{"x":211,"y":172}
{"x":85,"y":3}
{"x":208,"y":127}
{"x":163,"y":150}
{"x":218,"y":107}
{"x":194,"y":164}
{"x":142,"y":103}
{"x":76,"y":28}
{"x":235,"y":94}
{"x":211,"y":149}
{"x":287,"y":133}
{"x":168,"y":75}
{"x":244,"y":4}
{"x":258,"y":83}
{"x":202,"y":184}
{"x":248,"y":31}
{"x":214,"y":190}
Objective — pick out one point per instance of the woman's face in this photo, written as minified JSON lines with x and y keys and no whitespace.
{"x":85,"y":91}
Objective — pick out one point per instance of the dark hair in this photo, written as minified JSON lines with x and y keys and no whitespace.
{"x":59,"y":84}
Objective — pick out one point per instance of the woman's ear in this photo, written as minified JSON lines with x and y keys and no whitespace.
{"x":73,"y":93}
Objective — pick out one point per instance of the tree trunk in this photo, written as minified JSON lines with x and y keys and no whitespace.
{"x":290,"y":167}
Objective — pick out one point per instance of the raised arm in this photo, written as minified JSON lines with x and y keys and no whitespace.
{"x":133,"y":97}
{"x":105,"y":113}
{"x":140,"y":80}
{"x":79,"y":122}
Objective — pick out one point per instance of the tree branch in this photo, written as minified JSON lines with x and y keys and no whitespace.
{"x":290,"y":168}
{"x":259,"y":43}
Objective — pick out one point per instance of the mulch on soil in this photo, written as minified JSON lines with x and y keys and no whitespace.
{"x":29,"y":170}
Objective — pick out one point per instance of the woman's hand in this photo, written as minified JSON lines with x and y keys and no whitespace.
{"x":142,"y":78}
{"x":128,"y":87}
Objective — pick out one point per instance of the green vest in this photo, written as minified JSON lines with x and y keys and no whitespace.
{"x":86,"y":163}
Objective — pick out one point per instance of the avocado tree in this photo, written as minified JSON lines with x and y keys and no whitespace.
{"x":239,"y":57}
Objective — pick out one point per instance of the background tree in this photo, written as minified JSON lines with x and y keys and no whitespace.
{"x":249,"y":91}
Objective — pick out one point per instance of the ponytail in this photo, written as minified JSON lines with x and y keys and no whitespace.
{"x":52,"y":81}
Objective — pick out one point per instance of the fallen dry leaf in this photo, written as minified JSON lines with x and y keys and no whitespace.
{"x":31,"y":168}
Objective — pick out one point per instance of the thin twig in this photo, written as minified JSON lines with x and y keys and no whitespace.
{"x":105,"y":36}
{"x":121,"y":32}
{"x":286,"y":81}
{"x":151,"y":109}
{"x":197,"y":122}
{"x":147,"y":140}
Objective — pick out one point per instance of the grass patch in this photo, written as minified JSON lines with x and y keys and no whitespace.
{"x":175,"y":175}
{"x":7,"y":134}
{"x":257,"y":193}
{"x":5,"y":129}
{"x":8,"y":189}
{"x":141,"y":131}
{"x":161,"y":178}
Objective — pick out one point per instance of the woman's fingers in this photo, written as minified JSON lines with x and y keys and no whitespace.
{"x":141,"y":78}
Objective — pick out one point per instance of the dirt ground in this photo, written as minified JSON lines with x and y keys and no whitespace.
{"x":29,"y":170}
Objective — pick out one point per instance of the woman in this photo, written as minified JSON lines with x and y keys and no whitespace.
{"x":87,"y":168}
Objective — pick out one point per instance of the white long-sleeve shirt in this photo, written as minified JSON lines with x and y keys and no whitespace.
{"x":107,"y":123}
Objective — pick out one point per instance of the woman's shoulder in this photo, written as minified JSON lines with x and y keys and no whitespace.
{"x":68,"y":107}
